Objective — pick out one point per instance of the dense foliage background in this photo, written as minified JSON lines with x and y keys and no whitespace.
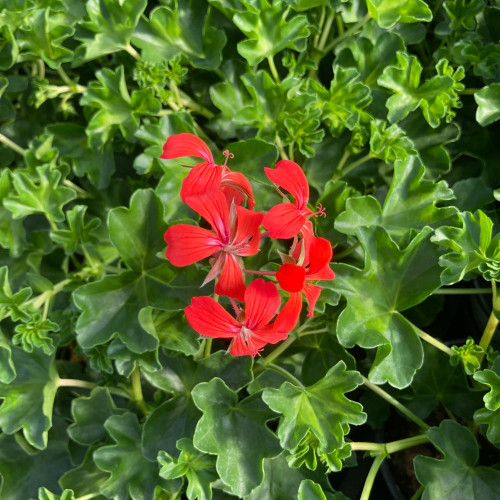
{"x":391,"y":107}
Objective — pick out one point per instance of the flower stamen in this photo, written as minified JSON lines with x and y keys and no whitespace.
{"x":228,"y":155}
{"x":321,"y":211}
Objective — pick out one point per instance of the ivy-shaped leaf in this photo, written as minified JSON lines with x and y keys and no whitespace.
{"x":409,"y":206}
{"x":7,"y":369}
{"x":436,"y":97}
{"x":473,"y":249}
{"x":342,"y":106}
{"x":236,"y":432}
{"x":45,"y":494}
{"x":89,"y":415}
{"x":198,"y":468}
{"x":317,"y":414}
{"x":377,"y":294}
{"x":29,"y":398}
{"x":488,"y":104}
{"x":389,"y":12}
{"x":184,"y":28}
{"x":178,"y":377}
{"x":456,"y":475}
{"x":9,"y":49}
{"x":137,"y":234}
{"x":34,"y":334}
{"x":309,"y":490}
{"x":42,"y":193}
{"x":268,"y":32}
{"x":117,"y":108}
{"x":130,"y":473}
{"x":110,"y":27}
{"x":462,"y":13}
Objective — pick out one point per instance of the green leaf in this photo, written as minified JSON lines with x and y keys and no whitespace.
{"x":268,"y":32}
{"x":409,"y":206}
{"x":236,"y":432}
{"x":342,"y":105}
{"x":473,"y":249}
{"x":389,"y":12}
{"x":185,"y":29}
{"x":309,"y":490}
{"x":467,"y":355}
{"x":9,"y":49}
{"x":7,"y":369}
{"x":171,"y":329}
{"x":89,"y":415}
{"x":13,"y":304}
{"x":44,"y":34}
{"x":110,"y":27}
{"x":130,"y":473}
{"x":463,"y":13}
{"x":373,"y":319}
{"x":178,"y":377}
{"x":45,"y":494}
{"x":436,"y":97}
{"x":117,"y":108}
{"x":439,"y":383}
{"x":25,"y":469}
{"x":389,"y":144}
{"x":78,"y":232}
{"x":71,"y":141}
{"x":34,"y":334}
{"x":491,"y":378}
{"x":456,"y":475}
{"x":197,"y":467}
{"x":317,"y":414}
{"x":29,"y":398}
{"x":42,"y":193}
{"x":137,"y":234}
{"x":488,"y":104}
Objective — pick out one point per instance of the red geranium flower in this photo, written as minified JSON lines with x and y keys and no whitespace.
{"x":207,"y":175}
{"x":287,"y":219}
{"x":297,"y":280}
{"x":235,"y":234}
{"x":251,"y":330}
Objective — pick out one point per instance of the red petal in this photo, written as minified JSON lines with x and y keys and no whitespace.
{"x":291,"y":178}
{"x":231,"y":281}
{"x":209,"y":318}
{"x":291,"y":277}
{"x":212,"y":206}
{"x":250,"y":347}
{"x":262,"y":300}
{"x":203,"y":177}
{"x":312,"y":294}
{"x":239,"y":182}
{"x":180,"y":145}
{"x":247,"y":233}
{"x":189,"y":244}
{"x":283,"y":221}
{"x":289,"y":315}
{"x":320,"y":254}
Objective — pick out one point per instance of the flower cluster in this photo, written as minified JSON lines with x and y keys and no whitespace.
{"x":218,"y":196}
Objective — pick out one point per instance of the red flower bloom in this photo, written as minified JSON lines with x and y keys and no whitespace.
{"x":235,"y":233}
{"x":251,"y":330}
{"x":207,"y":175}
{"x":298,"y":280}
{"x":287,"y":219}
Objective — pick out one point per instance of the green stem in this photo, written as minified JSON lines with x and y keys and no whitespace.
{"x":291,"y":154}
{"x":208,"y":348}
{"x":280,"y":349}
{"x":133,"y":52}
{"x":272,"y":67}
{"x":340,"y":24}
{"x":137,"y":391}
{"x":394,"y":402}
{"x":88,"y":496}
{"x":65,"y":78}
{"x":418,"y":493}
{"x":346,"y":252}
{"x":462,"y":291}
{"x":320,"y":26}
{"x":313,"y":332}
{"x":281,"y":149}
{"x":347,"y":34}
{"x":468,"y":91}
{"x":286,"y":374}
{"x":326,"y":30}
{"x":492,"y":324}
{"x":194,"y":106}
{"x":353,"y":165}
{"x":78,"y":189}
{"x":12,"y":145}
{"x":343,"y":160}
{"x":367,"y":488}
{"x":433,"y":341}
{"x":84,"y":384}
{"x":177,"y":95}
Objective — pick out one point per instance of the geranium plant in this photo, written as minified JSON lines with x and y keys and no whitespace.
{"x":249,"y":249}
